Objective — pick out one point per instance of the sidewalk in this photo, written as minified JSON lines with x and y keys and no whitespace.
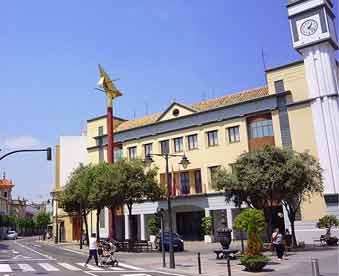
{"x":298,"y":263}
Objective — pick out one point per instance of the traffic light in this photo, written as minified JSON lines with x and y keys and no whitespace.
{"x":49,"y":154}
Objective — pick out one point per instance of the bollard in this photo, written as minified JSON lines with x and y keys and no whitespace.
{"x":229,"y":266}
{"x":199,"y":263}
{"x":315,"y":267}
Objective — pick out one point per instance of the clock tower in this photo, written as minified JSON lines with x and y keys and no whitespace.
{"x":314,"y":35}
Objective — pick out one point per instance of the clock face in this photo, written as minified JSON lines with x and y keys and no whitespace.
{"x":309,"y":27}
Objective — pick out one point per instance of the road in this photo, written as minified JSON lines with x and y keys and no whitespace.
{"x":29,"y":257}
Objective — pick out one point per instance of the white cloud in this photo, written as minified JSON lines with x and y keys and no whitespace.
{"x":22,"y":142}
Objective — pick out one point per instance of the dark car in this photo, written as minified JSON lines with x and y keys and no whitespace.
{"x":178,"y":243}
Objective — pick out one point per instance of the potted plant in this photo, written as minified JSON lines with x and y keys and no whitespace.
{"x":253,"y":222}
{"x":328,"y":222}
{"x":206,"y":226}
{"x":153,"y":226}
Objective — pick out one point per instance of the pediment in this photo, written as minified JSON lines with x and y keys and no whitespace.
{"x":176,"y":110}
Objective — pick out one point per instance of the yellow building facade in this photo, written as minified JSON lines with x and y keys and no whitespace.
{"x":213,"y":134}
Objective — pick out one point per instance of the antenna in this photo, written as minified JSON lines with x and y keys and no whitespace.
{"x":146,"y":108}
{"x":264,"y":64}
{"x":134,"y":114}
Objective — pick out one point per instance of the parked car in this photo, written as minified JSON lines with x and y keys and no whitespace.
{"x":178,"y":242}
{"x":11,"y":235}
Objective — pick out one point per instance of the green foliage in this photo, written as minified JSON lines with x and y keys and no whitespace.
{"x":153,"y":225}
{"x":328,"y":222}
{"x":8,"y":221}
{"x":254,"y":263}
{"x":253,"y":222}
{"x":206,"y":225}
{"x":269,"y":175}
{"x":42,"y":220}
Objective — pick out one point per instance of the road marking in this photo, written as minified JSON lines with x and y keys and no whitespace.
{"x":130,"y":267}
{"x":48,"y":267}
{"x":115,"y":268}
{"x":5,"y":268}
{"x":69,"y":267}
{"x":90,"y":267}
{"x":138,"y":274}
{"x":21,"y":257}
{"x":26,"y":267}
{"x":34,"y":251}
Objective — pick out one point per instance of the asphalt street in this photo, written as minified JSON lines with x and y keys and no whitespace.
{"x":29,"y":257}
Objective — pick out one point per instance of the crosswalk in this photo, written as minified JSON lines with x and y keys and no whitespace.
{"x":62,"y":266}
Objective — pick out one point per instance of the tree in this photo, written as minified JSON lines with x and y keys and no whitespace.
{"x":42,"y":220}
{"x":271,"y":176}
{"x":75,"y":195}
{"x":103,"y":192}
{"x":153,"y":225}
{"x":136,"y":184}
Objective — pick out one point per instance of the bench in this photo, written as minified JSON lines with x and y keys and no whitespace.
{"x":225,"y":253}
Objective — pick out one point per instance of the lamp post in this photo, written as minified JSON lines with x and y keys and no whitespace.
{"x":111,"y":93}
{"x":184,"y":162}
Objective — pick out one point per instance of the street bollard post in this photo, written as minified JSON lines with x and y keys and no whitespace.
{"x":199,"y":263}
{"x":315,"y":267}
{"x":229,"y":266}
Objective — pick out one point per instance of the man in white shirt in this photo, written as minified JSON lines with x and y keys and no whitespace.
{"x":93,"y":249}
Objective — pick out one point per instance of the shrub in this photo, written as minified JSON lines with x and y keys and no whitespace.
{"x":328,"y":222}
{"x":254,"y":263}
{"x":206,"y":225}
{"x":253,"y":222}
{"x":153,"y":225}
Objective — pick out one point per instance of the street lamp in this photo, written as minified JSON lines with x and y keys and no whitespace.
{"x":184,"y":162}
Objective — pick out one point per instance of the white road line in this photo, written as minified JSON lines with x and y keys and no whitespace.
{"x":34,"y":251}
{"x":130,"y":266}
{"x":26,"y":267}
{"x":5,"y":268}
{"x":90,"y":267}
{"x":115,"y":268}
{"x":48,"y":267}
{"x":69,"y":267}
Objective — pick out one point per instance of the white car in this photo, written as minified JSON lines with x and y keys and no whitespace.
{"x":11,"y":235}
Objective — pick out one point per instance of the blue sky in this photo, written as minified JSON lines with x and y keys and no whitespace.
{"x":162,"y":50}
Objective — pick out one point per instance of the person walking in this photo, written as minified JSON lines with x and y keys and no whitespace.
{"x":93,"y":249}
{"x":277,"y":242}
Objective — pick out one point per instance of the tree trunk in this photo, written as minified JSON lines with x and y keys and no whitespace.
{"x":113,"y":223}
{"x":294,"y":239}
{"x":98,"y":224}
{"x":86,"y":226}
{"x":130,"y":226}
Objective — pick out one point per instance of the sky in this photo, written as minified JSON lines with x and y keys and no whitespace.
{"x":160,"y":50}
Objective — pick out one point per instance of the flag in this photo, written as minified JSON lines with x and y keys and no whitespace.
{"x":174,"y":188}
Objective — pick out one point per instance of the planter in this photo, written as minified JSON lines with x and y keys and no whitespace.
{"x":332,"y":241}
{"x":208,"y":238}
{"x":152,"y":238}
{"x":254,"y":263}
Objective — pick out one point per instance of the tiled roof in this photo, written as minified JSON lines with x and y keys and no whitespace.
{"x":202,"y":106}
{"x":6,"y":183}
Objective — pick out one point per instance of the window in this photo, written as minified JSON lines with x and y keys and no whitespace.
{"x":132,"y":153}
{"x":102,"y":219}
{"x":192,"y":141}
{"x":184,"y":183}
{"x":212,"y":137}
{"x":148,"y":149}
{"x":100,"y":142}
{"x":164,"y":146}
{"x":261,"y":128}
{"x":178,"y":144}
{"x":197,"y":181}
{"x":213,"y":170}
{"x":5,"y":194}
{"x":101,"y":155}
{"x":118,"y":154}
{"x":233,"y":134}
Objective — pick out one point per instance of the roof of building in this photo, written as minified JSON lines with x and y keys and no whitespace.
{"x":199,"y":107}
{"x":4,"y":183}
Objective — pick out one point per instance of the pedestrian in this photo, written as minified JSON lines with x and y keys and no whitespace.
{"x":93,"y":249}
{"x":277,"y":242}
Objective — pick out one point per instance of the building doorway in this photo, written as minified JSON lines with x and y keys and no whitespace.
{"x":189,"y":225}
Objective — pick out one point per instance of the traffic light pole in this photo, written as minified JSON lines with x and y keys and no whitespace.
{"x":48,"y":150}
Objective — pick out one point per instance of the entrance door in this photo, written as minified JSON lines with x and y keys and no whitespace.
{"x":189,"y":225}
{"x":76,"y":228}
